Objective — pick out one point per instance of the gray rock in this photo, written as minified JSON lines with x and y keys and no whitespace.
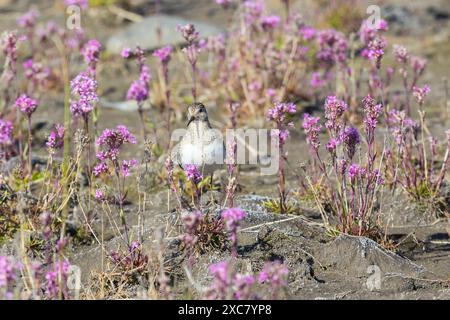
{"x":144,"y":33}
{"x":354,"y":255}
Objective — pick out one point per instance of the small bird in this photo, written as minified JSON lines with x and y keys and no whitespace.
{"x":201,"y":145}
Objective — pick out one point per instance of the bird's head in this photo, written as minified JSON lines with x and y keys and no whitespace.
{"x":197,"y":111}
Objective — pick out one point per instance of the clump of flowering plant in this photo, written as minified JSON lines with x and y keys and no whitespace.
{"x":279,"y":115}
{"x":353,"y":186}
{"x":27,"y":106}
{"x":131,"y":262}
{"x":411,"y":161}
{"x":202,"y":232}
{"x":110,"y":143}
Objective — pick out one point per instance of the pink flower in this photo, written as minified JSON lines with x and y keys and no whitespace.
{"x":140,"y":88}
{"x":28,"y":19}
{"x":163,"y":54}
{"x":91,"y":53}
{"x":224,"y":3}
{"x":115,"y":138}
{"x":84,"y":4}
{"x":188,"y":32}
{"x":418,"y":65}
{"x":56,"y":138}
{"x":100,"y":168}
{"x":332,"y":47}
{"x":84,"y":88}
{"x":331,"y":146}
{"x":233,"y":215}
{"x":127,"y":165}
{"x":126,"y":52}
{"x":350,"y":137}
{"x":280,"y":110}
{"x":232,"y":218}
{"x":26,"y":104}
{"x":401,"y":54}
{"x":317,"y":81}
{"x":312,"y":128}
{"x":372,"y":112}
{"x":8,"y":269}
{"x":6,"y":129}
{"x":421,"y":93}
{"x":274,"y":274}
{"x":192,"y":173}
{"x":99,"y":195}
{"x":253,"y":10}
{"x":334,"y":109}
{"x":308,"y":32}
{"x":376,"y":49}
{"x":270,"y":22}
{"x":368,"y":32}
{"x":354,"y":171}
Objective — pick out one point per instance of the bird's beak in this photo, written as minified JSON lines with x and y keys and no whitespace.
{"x":190,"y":120}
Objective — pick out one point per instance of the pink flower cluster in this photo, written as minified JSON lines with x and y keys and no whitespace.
{"x":312,"y":128}
{"x":163,"y":54}
{"x":28,"y":19}
{"x":192,"y":173}
{"x":36,"y":72}
{"x":270,"y":22}
{"x":8,"y":44}
{"x":332,"y":47}
{"x":84,"y":88}
{"x":189,"y":33}
{"x":56,"y":138}
{"x":91,"y":53}
{"x":421,"y":93}
{"x":26,"y":105}
{"x":334,"y":109}
{"x":84,"y":4}
{"x":253,"y":11}
{"x":278,"y":114}
{"x":56,"y":280}
{"x":140,"y":89}
{"x":112,"y":141}
{"x":372,"y":111}
{"x":350,"y":138}
{"x":274,"y":273}
{"x":190,"y":223}
{"x":232,"y":218}
{"x":6,"y":130}
{"x":224,"y":3}
{"x":228,"y":284}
